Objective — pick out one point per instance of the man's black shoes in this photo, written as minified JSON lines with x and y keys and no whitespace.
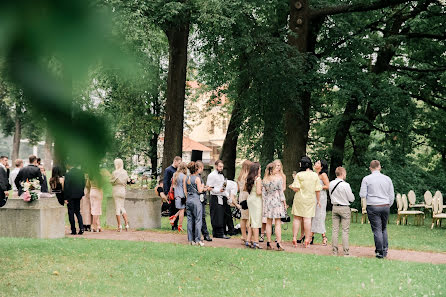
{"x":208,"y":238}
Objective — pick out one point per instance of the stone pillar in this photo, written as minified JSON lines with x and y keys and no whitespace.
{"x":143,"y":209}
{"x":44,"y":218}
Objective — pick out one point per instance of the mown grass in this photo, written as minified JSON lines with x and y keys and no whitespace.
{"x":86,"y":267}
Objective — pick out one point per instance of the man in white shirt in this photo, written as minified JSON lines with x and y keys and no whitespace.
{"x":217,"y":182}
{"x":378,"y":190}
{"x":341,"y":196}
{"x":231,"y":190}
{"x":18,"y":165}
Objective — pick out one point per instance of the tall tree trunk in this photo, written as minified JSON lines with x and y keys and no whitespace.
{"x":153,"y":151}
{"x":16,"y":138}
{"x":268,"y":140}
{"x":228,"y":152}
{"x":297,"y":117}
{"x":176,"y":88}
{"x":338,"y":148}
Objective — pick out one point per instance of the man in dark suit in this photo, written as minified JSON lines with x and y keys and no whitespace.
{"x":4,"y":180}
{"x":74,"y":186}
{"x":29,"y":173}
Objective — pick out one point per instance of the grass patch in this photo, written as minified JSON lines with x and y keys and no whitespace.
{"x":85,"y":267}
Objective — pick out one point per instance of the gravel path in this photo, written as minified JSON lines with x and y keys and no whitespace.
{"x":356,"y":251}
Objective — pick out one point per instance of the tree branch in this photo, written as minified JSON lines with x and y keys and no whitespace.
{"x":394,"y":67}
{"x":429,"y":101}
{"x":358,"y":7}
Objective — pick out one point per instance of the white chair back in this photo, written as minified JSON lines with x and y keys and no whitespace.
{"x":434,"y":205}
{"x":412,"y":198}
{"x":364,"y":205}
{"x":405,"y":203}
{"x":399,"y":202}
{"x":439,"y":201}
{"x":428,"y":198}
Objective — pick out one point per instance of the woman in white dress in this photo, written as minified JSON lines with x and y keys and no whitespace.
{"x":119,"y":180}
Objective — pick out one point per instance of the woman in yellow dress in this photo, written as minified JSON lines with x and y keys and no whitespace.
{"x":253,"y":186}
{"x":305,"y":184}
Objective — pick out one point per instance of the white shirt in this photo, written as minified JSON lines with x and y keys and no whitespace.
{"x":231,"y":189}
{"x":12,"y":177}
{"x":216,"y":180}
{"x":378,"y":189}
{"x":343,"y":194}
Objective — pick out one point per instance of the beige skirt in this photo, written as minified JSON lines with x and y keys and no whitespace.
{"x":244,"y":212}
{"x":96,"y":201}
{"x":119,"y":198}
{"x":86,"y":210}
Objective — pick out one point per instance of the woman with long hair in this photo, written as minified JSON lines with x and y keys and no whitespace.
{"x":193,"y":204}
{"x":241,"y":180}
{"x":254,"y":187}
{"x":306,"y":184}
{"x":274,"y":204}
{"x":57,"y":183}
{"x":119,"y":180}
{"x":318,"y":223}
{"x":180,"y":190}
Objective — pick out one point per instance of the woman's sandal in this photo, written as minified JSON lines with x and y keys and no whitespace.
{"x":324,"y":240}
{"x":180,"y":228}
{"x":268,"y":246}
{"x":301,"y":240}
{"x":262,"y":238}
{"x":172,"y":220}
{"x":256,"y":246}
{"x":119,"y":229}
{"x":279,"y":247}
{"x":247,"y":244}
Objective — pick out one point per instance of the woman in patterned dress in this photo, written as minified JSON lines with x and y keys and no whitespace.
{"x":318,"y":222}
{"x":274,"y":204}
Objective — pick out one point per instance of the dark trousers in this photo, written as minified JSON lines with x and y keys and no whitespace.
{"x":228,"y":219}
{"x":172,"y":211}
{"x":217,"y":217}
{"x":378,"y":216}
{"x":74,"y":208}
{"x":204,"y":226}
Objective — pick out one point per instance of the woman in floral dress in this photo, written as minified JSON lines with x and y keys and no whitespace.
{"x":274,"y":204}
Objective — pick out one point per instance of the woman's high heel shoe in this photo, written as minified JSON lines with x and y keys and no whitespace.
{"x":268,"y":246}
{"x":127,"y":227}
{"x":119,"y":229}
{"x":279,"y":247}
{"x":324,"y":240}
{"x":172,"y":220}
{"x":180,"y":228}
{"x":301,"y":240}
{"x":99,"y":229}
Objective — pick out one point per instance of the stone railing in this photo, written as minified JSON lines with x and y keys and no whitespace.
{"x":143,"y":209}
{"x":43,"y":218}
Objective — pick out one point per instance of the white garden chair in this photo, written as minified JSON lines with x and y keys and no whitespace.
{"x":428,"y":201}
{"x":403,"y":213}
{"x":437,"y":210}
{"x":413,"y":200}
{"x":354,"y":211}
{"x":364,"y":218}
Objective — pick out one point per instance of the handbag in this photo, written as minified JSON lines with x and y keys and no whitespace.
{"x":286,"y":219}
{"x":244,"y":204}
{"x":236,"y":213}
{"x":171,"y":194}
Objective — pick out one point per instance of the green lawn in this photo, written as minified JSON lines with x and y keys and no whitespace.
{"x":408,"y":237}
{"x":85,"y":267}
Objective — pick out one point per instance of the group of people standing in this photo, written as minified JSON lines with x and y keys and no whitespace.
{"x":83,"y":195}
{"x":262,"y":202}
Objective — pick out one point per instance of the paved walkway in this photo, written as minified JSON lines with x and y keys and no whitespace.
{"x":357,"y":251}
